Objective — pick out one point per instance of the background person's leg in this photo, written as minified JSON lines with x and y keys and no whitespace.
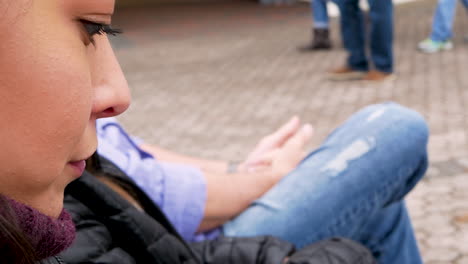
{"x":442,"y":23}
{"x":320,"y":14}
{"x":320,"y":39}
{"x":381,"y":35}
{"x":356,"y":179}
{"x":465,"y":3}
{"x":352,"y":33}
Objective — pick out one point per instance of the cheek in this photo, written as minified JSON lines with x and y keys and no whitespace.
{"x":45,"y":105}
{"x":53,"y":99}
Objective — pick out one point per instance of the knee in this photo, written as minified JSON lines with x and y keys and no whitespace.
{"x":407,"y":123}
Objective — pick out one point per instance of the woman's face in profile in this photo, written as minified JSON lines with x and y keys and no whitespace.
{"x":57,"y":76}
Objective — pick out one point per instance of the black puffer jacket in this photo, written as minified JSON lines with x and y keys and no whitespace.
{"x":111,"y":230}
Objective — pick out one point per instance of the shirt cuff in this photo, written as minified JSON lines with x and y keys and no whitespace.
{"x":185,"y":196}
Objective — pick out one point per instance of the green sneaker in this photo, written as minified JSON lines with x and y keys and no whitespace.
{"x":430,"y":46}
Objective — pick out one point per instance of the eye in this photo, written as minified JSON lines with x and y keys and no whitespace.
{"x":93,"y":28}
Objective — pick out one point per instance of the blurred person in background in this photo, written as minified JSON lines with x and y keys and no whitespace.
{"x":320,"y":39}
{"x":442,"y":24}
{"x":379,"y":66}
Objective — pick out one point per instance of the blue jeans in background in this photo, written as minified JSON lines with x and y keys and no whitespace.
{"x":443,"y":19}
{"x":352,"y":186}
{"x":353,"y":31}
{"x":320,"y":14}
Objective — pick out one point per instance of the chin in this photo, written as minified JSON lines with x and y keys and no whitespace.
{"x":52,"y":204}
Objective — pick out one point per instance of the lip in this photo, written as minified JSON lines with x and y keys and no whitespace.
{"x":78,"y":166}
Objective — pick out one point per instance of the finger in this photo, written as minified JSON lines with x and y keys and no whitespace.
{"x":278,"y":138}
{"x":286,"y":131}
{"x":307,"y":133}
{"x":301,"y":138}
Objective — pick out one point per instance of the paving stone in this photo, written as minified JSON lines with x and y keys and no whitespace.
{"x":462,"y":260}
{"x":433,"y":171}
{"x":417,"y":211}
{"x":463,"y":162}
{"x":460,"y":246}
{"x":441,"y":240}
{"x":440,"y":255}
{"x":449,"y":167}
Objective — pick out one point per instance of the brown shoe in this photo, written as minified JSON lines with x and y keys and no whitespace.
{"x":378,"y":76}
{"x":345,"y":73}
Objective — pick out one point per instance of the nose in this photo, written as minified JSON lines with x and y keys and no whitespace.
{"x":111,"y":92}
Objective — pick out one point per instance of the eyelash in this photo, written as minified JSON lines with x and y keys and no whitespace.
{"x":93,"y":28}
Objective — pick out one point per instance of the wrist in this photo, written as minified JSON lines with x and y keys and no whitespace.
{"x":232,"y":167}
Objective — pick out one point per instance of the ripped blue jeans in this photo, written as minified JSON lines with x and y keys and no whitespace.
{"x":352,"y":186}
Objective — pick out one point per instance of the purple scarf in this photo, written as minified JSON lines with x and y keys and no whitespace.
{"x":48,"y":236}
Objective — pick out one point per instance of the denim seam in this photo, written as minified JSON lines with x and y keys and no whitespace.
{"x":364,"y":205}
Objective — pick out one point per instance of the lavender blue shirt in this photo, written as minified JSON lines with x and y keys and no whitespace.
{"x":179,"y":190}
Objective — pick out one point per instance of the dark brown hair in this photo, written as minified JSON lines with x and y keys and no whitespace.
{"x":14,"y":243}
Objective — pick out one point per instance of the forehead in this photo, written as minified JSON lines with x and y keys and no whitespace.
{"x":10,"y":6}
{"x":99,"y":6}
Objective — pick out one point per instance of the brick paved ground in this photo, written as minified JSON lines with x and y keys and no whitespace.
{"x":207,"y":75}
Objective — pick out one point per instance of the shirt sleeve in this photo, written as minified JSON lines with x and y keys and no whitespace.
{"x":179,"y":190}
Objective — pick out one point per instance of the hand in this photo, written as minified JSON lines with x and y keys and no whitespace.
{"x":282,"y":160}
{"x":269,"y":144}
{"x":286,"y":159}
